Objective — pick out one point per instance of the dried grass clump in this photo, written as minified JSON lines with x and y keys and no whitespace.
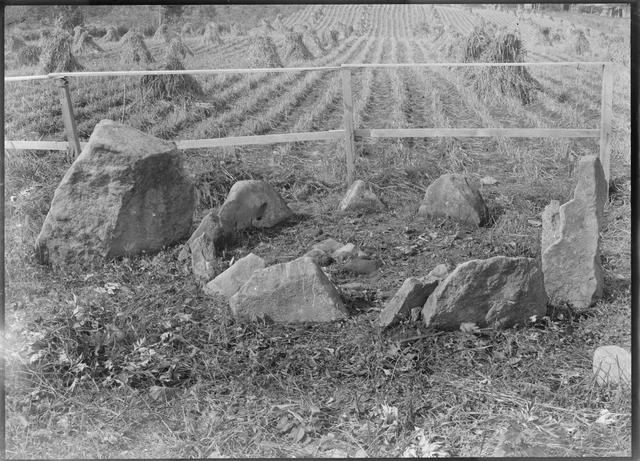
{"x":294,"y":47}
{"x":580,"y":44}
{"x":211,"y":34}
{"x":56,"y":53}
{"x":484,"y":45}
{"x":262,"y":52}
{"x":266,"y":27}
{"x":449,"y":44}
{"x":344,"y":31}
{"x":86,"y":44}
{"x":15,"y":43}
{"x":278,"y":25}
{"x":29,"y":55}
{"x":77,"y":32}
{"x":173,"y":87}
{"x":112,"y":35}
{"x":544,"y":35}
{"x":134,"y":49}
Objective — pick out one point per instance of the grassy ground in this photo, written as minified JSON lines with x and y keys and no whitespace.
{"x":129,"y":359}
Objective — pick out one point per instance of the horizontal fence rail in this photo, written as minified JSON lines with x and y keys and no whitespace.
{"x":349,"y":133}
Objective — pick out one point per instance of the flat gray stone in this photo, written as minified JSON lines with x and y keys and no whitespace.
{"x":362,"y":266}
{"x":345,"y":252}
{"x":252,"y":203}
{"x":293,"y":292}
{"x":571,"y":263}
{"x":229,"y":282}
{"x":360,"y":197}
{"x":328,"y":245}
{"x":612,"y":365}
{"x":499,"y":292}
{"x":455,"y":196}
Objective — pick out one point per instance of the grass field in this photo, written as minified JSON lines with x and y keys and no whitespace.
{"x":129,"y":359}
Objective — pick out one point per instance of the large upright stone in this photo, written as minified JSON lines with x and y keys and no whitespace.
{"x":499,"y":291}
{"x":571,"y":263}
{"x":293,"y":292}
{"x":456,"y":197}
{"x":360,"y":197}
{"x":413,"y":293}
{"x":612,"y":365}
{"x":253,"y":203}
{"x":550,"y":224}
{"x":126,"y":193}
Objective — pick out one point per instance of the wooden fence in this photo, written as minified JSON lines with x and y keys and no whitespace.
{"x":349,"y":132}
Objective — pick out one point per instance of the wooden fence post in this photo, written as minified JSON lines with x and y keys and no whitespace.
{"x":605,"y":120}
{"x":68,"y":118}
{"x":347,"y":102}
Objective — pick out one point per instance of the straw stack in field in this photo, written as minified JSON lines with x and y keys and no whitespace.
{"x":330,"y":38}
{"x":112,"y":35}
{"x":294,"y":48}
{"x":580,"y":43}
{"x":186,"y":29}
{"x":173,"y":87}
{"x":262,"y":52}
{"x":178,"y":48}
{"x":211,"y":34}
{"x":237,"y":29}
{"x":15,"y":43}
{"x":64,"y":23}
{"x":29,"y":55}
{"x":86,"y":44}
{"x":56,"y":53}
{"x":164,"y":34}
{"x":134,"y":49}
{"x":483,"y":45}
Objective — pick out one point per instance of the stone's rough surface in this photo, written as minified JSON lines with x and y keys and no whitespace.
{"x":360,"y":197}
{"x":328,"y":246}
{"x":413,"y":292}
{"x":293,"y":292}
{"x":550,"y":224}
{"x":252,"y":203}
{"x":203,"y":257}
{"x":126,"y":193}
{"x":362,"y":266}
{"x":612,"y":365}
{"x":571,"y":263}
{"x":498,"y":291}
{"x":456,"y":197}
{"x":230,"y":281}
{"x":344,"y":252}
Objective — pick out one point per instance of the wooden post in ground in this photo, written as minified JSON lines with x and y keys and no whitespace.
{"x":68,"y":118}
{"x":605,"y":120}
{"x":347,"y":102}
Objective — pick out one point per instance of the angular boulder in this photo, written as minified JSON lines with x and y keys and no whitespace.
{"x":455,"y":196}
{"x":499,"y":291}
{"x":126,"y":193}
{"x":253,"y":203}
{"x":360,"y":197}
{"x":229,"y":282}
{"x":571,"y":263}
{"x":205,"y":244}
{"x":612,"y":365}
{"x":293,"y":292}
{"x":413,"y":293}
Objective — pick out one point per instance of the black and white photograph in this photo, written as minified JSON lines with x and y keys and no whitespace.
{"x":306,"y":230}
